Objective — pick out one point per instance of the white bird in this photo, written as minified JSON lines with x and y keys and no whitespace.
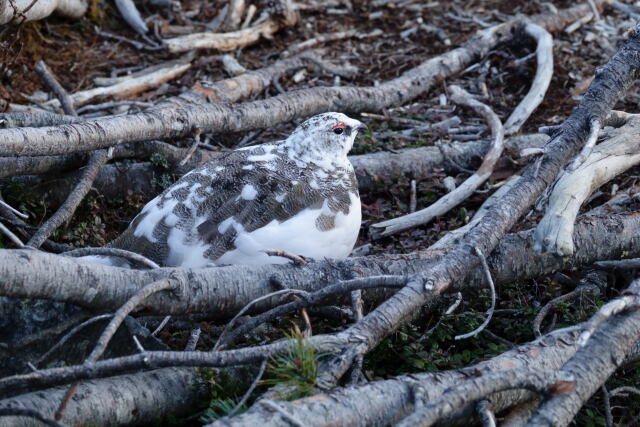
{"x":299,"y":195}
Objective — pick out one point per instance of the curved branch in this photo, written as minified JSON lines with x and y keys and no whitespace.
{"x":466,"y":189}
{"x":544,"y":73}
{"x":554,"y":233}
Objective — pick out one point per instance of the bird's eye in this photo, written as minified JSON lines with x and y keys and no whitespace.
{"x":338,"y":131}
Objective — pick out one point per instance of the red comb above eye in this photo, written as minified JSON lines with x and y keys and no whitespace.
{"x":339,"y":125}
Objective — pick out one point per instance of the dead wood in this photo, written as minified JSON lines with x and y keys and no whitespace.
{"x":464,"y":190}
{"x":132,"y":85}
{"x":116,"y":179}
{"x":423,"y":288}
{"x":236,"y":39}
{"x":223,"y":291}
{"x":605,"y":162}
{"x":432,"y":272}
{"x":124,"y":400}
{"x":173,"y":123}
{"x":18,"y":11}
{"x":131,"y":14}
{"x":387,"y":402}
{"x":544,"y":72}
{"x":594,"y":362}
{"x":97,"y":160}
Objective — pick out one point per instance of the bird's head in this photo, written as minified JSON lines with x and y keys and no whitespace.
{"x":324,"y":138}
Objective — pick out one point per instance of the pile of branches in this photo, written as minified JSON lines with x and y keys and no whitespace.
{"x":98,"y":364}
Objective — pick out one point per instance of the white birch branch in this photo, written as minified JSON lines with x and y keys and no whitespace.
{"x":541,"y":81}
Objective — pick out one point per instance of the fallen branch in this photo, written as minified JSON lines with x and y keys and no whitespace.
{"x":464,"y":190}
{"x":597,"y":360}
{"x":457,"y":397}
{"x":386,"y":402}
{"x":544,"y":72}
{"x":97,"y":160}
{"x":64,"y":99}
{"x":29,"y":10}
{"x":112,"y":327}
{"x":113,"y":252}
{"x":608,"y":85}
{"x":235,"y":39}
{"x":330,"y":37}
{"x":117,"y":179}
{"x":223,"y":291}
{"x":173,"y":123}
{"x":131,"y":85}
{"x":608,"y":159}
{"x":176,"y":391}
{"x":131,"y":15}
{"x":587,"y":287}
{"x":487,"y":274}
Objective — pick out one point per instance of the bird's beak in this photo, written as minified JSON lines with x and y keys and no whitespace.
{"x":361,"y":126}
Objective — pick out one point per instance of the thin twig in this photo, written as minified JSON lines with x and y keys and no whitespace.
{"x":467,"y":188}
{"x":14,"y":210}
{"x":483,"y":408}
{"x":69,"y":334}
{"x":15,"y":239}
{"x":413,"y":199}
{"x":487,"y":275}
{"x":65,"y":100}
{"x":608,"y":310}
{"x":448,"y":311}
{"x":357,"y":308}
{"x":97,"y":160}
{"x":297,"y":259}
{"x":252,"y":387}
{"x":161,"y":325}
{"x":217,"y":345}
{"x":123,"y":312}
{"x":594,"y":129}
{"x":112,"y":327}
{"x":624,"y":389}
{"x":541,"y":81}
{"x":120,"y":253}
{"x":138,"y":344}
{"x":554,"y":302}
{"x":310,"y":299}
{"x":193,"y":340}
{"x":608,"y":417}
{"x":193,"y":148}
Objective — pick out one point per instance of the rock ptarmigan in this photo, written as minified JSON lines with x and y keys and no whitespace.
{"x":299,"y":195}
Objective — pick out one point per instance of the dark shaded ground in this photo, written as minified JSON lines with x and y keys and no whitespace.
{"x":77,"y":54}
